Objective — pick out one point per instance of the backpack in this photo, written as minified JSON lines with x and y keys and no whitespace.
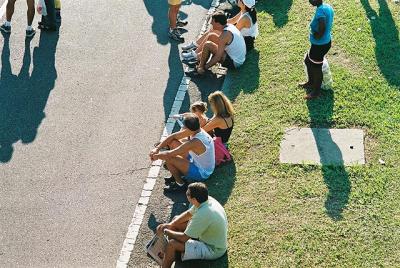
{"x":222,"y":154}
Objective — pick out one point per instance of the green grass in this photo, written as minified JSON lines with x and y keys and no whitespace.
{"x":310,"y":216}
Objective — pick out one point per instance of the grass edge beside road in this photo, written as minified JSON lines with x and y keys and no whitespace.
{"x":278,"y":213}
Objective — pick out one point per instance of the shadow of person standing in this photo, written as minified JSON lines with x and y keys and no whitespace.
{"x":23,"y":97}
{"x":279,"y":10}
{"x":334,"y":172}
{"x":387,"y":43}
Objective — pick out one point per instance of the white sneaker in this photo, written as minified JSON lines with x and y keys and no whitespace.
{"x":191,"y":55}
{"x":188,"y":47}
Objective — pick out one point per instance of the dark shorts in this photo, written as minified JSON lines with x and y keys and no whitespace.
{"x":228,"y":62}
{"x":318,"y":52}
{"x":249,"y":42}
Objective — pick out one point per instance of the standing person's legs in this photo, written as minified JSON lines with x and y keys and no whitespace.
{"x":30,"y":13}
{"x":173,"y":11}
{"x":10,"y":9}
{"x":51,"y":14}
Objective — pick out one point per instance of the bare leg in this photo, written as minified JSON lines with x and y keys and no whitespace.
{"x":211,"y":36}
{"x":31,"y":11}
{"x":173,"y":15}
{"x":204,"y":37}
{"x":169,"y":254}
{"x":209,"y":48}
{"x":178,"y":166}
{"x":10,"y":9}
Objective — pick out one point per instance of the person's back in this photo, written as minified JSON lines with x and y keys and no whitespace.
{"x":324,"y":11}
{"x":237,"y":48}
{"x":206,"y":161}
{"x":212,"y":220}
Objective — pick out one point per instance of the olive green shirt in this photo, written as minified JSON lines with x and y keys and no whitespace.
{"x":209,"y":225}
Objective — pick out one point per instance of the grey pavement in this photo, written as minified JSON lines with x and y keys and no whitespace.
{"x":79,"y":112}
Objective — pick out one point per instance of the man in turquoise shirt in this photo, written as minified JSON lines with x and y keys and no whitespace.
{"x":200,"y":232}
{"x":320,"y":38}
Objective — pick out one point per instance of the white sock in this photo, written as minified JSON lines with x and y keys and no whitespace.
{"x":7,"y":23}
{"x":29,"y":28}
{"x":180,"y":185}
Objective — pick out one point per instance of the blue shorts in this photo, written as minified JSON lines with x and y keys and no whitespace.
{"x":193,"y":172}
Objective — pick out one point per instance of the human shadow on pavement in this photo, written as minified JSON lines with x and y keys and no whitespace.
{"x":334,"y":172}
{"x":279,"y":10}
{"x":387,"y":42}
{"x":23,"y":97}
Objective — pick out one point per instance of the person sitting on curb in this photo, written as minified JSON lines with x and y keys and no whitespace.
{"x":200,"y":232}
{"x":227,"y":48}
{"x":194,"y":158}
{"x":199,"y":108}
{"x":245,"y":21}
{"x":221,"y":124}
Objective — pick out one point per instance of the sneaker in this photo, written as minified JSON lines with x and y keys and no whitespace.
{"x":174,"y":187}
{"x":189,"y":47}
{"x":30,"y":33}
{"x":174,"y":34}
{"x":191,"y":55}
{"x":169,"y":180}
{"x":181,"y":23}
{"x":5,"y":29}
{"x":190,"y":63}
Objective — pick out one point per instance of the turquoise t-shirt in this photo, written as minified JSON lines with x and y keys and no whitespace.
{"x":325,"y":12}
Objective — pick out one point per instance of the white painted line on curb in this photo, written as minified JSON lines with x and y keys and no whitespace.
{"x":3,"y":8}
{"x":140,"y":210}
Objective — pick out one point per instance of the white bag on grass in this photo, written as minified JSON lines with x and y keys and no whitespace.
{"x":41,"y":8}
{"x":326,"y":72}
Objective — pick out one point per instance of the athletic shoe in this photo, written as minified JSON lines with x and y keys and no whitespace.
{"x":174,"y":187}
{"x":174,"y":34}
{"x":181,"y":23}
{"x":30,"y":33}
{"x":169,"y":180}
{"x":5,"y":29}
{"x":191,"y":55}
{"x":189,"y":47}
{"x":190,"y":63}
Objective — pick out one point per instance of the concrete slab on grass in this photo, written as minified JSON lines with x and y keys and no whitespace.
{"x":321,"y":146}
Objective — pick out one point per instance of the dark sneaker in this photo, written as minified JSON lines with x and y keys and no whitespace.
{"x":181,"y":23}
{"x":169,"y":180}
{"x":174,"y":187}
{"x":174,"y":34}
{"x":30,"y":33}
{"x":5,"y":29}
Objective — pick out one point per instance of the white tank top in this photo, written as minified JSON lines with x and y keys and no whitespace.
{"x":206,"y":161}
{"x":253,"y":30}
{"x":237,"y":48}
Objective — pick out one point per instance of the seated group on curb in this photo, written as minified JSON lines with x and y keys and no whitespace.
{"x":227,"y":42}
{"x":192,"y":152}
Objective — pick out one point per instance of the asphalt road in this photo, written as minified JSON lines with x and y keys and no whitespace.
{"x":79,"y":112}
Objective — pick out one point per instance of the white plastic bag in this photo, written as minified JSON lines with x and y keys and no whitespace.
{"x":41,"y":8}
{"x":327,"y":81}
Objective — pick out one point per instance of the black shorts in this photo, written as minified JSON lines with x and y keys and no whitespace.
{"x":249,"y":42}
{"x":318,"y":52}
{"x":228,"y":62}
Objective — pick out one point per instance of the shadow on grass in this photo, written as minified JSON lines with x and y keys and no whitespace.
{"x":335,"y":175}
{"x":23,"y":97}
{"x":246,"y":79}
{"x":277,"y":9}
{"x":387,"y":48}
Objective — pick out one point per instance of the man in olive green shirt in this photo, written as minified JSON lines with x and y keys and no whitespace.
{"x":200,"y":232}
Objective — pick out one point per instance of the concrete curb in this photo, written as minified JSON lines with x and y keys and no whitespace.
{"x":140,"y":209}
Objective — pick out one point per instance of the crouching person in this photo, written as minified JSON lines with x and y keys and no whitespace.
{"x":192,"y":158}
{"x":200,"y":232}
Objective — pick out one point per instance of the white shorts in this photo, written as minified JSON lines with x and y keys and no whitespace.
{"x":197,"y":250}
